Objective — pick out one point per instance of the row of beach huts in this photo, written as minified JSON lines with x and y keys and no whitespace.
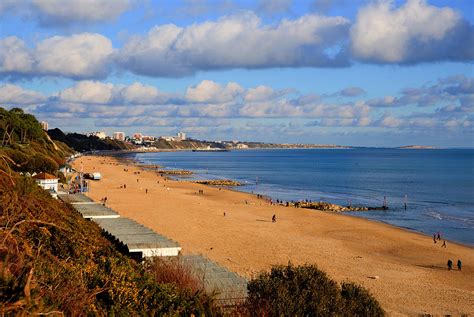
{"x":141,"y":242}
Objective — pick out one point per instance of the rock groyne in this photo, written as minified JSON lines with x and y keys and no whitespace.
{"x":174,"y":172}
{"x":219,"y":182}
{"x":324,"y":206}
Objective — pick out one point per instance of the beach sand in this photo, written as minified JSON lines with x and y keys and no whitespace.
{"x":412,"y":271}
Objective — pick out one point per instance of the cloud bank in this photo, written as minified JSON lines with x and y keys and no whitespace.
{"x":450,"y":106}
{"x":380,"y":34}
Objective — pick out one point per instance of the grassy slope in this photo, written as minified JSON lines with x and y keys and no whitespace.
{"x":52,"y":259}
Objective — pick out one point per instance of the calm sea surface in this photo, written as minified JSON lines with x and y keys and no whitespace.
{"x":439,"y":183}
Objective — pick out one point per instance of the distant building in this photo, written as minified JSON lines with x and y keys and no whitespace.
{"x":44,"y":125}
{"x":181,"y":136}
{"x":167,"y":138}
{"x":148,"y":138}
{"x":47,"y":181}
{"x":242,"y":146}
{"x":98,"y":134}
{"x":119,"y":136}
{"x":138,"y":136}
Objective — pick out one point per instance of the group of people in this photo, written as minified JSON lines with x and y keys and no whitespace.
{"x":450,"y":265}
{"x":437,"y":237}
{"x":103,"y":200}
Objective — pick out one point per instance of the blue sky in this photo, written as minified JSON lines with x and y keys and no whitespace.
{"x":353,"y":72}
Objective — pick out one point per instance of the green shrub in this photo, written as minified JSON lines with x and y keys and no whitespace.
{"x":306,"y":291}
{"x":358,"y":301}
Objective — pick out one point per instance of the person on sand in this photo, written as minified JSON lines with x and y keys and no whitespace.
{"x":274,"y":218}
{"x":450,"y":264}
{"x":439,"y":236}
{"x":444,"y":244}
{"x":434,"y":237}
{"x":459,"y":265}
{"x":146,"y":191}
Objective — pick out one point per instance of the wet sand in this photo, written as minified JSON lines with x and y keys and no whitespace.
{"x":412,"y":271}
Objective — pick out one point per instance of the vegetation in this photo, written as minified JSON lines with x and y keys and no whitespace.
{"x":307,"y":291}
{"x":25,"y":147}
{"x":84,"y":143}
{"x":53,"y":260}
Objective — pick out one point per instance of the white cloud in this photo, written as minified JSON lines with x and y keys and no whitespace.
{"x":15,"y":57}
{"x":262,"y":93}
{"x":84,"y":55}
{"x":93,"y":92}
{"x":211,"y":92}
{"x":239,"y":41}
{"x":414,"y":32}
{"x":137,"y":93}
{"x":12,"y":94}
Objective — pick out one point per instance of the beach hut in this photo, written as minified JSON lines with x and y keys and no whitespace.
{"x":48,"y":182}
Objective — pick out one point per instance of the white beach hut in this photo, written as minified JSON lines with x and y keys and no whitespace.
{"x":48,"y":182}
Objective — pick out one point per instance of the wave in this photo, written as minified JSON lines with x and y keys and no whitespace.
{"x":465,"y":221}
{"x":434,"y":214}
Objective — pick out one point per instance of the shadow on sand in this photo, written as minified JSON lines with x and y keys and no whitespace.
{"x":435,"y":267}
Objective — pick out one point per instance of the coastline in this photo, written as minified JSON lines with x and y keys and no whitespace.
{"x":246,"y":241}
{"x":430,"y":207}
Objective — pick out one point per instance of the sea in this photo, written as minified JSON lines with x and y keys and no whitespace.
{"x":437,"y":185}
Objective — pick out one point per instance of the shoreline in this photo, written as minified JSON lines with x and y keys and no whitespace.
{"x":241,"y":188}
{"x":409,"y":264}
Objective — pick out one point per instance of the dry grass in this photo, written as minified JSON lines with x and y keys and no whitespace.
{"x":174,"y":270}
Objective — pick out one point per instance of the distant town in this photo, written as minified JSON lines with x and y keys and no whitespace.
{"x":141,"y":142}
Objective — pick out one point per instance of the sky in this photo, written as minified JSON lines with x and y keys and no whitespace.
{"x":348,"y":72}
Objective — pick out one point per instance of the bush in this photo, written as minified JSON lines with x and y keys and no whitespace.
{"x":174,"y":271}
{"x":358,"y":301}
{"x":307,"y":291}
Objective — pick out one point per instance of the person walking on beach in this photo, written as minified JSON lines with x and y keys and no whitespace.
{"x":450,"y":264}
{"x":434,"y":237}
{"x":444,"y":244}
{"x":439,"y":235}
{"x":274,"y":218}
{"x":459,"y":265}
{"x":146,"y":191}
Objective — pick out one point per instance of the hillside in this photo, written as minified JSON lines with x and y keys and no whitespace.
{"x":84,"y":143}
{"x":188,"y":144}
{"x":52,"y":261}
{"x":25,"y":147}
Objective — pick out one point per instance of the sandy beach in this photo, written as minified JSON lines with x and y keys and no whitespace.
{"x":412,"y":272}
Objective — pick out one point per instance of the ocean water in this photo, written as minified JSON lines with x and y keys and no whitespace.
{"x":439,"y":184}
